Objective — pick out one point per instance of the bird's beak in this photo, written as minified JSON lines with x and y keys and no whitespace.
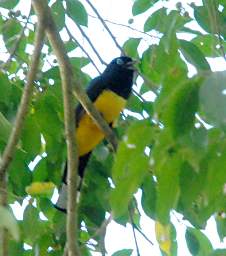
{"x":131,"y":64}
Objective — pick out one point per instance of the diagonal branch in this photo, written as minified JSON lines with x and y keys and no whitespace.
{"x":24,"y":104}
{"x":90,"y":43}
{"x":81,"y":47}
{"x":42,"y":10}
{"x":16,"y":131}
{"x":105,"y":26}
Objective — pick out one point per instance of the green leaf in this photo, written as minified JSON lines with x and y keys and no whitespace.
{"x":141,"y":6}
{"x":130,"y":47}
{"x":167,"y":188}
{"x":205,"y":14}
{"x":8,"y":4}
{"x":8,"y":221}
{"x":156,"y":20}
{"x":193,"y":55}
{"x":198,"y":243}
{"x":216,"y":176}
{"x":209,"y":45}
{"x":58,"y":14}
{"x":5,"y":89}
{"x":130,"y":166}
{"x":32,"y":133}
{"x":124,"y":252}
{"x":177,"y":115}
{"x":5,"y":128}
{"x":221,"y":225}
{"x":10,"y":32}
{"x":77,"y":12}
{"x":19,"y":165}
{"x":218,"y":252}
{"x":212,"y":98}
{"x":31,"y":220}
{"x":189,"y":178}
{"x":149,"y":195}
{"x":79,"y":62}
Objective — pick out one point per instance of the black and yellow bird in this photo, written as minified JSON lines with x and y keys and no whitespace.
{"x":109,"y":93}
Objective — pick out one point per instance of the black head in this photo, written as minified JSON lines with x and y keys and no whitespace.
{"x":119,"y":74}
{"x":121,"y":64}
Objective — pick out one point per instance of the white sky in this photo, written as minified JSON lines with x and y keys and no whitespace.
{"x":119,"y":11}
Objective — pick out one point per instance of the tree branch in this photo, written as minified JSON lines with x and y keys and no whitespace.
{"x":16,"y":131}
{"x":106,"y":27}
{"x":90,"y":43}
{"x":81,"y":47}
{"x":42,"y":10}
{"x":24,"y":104}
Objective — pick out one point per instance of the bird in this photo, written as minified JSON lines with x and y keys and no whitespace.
{"x":109,"y":93}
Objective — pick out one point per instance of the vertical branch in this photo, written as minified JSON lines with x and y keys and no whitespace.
{"x":3,"y":232}
{"x":16,"y":131}
{"x":42,"y":10}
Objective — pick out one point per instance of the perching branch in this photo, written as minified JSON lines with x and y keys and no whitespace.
{"x":106,"y":27}
{"x":16,"y":131}
{"x":42,"y":10}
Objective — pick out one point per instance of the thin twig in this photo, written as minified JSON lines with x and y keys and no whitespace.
{"x":126,"y":26}
{"x":90,"y":43}
{"x":134,"y":234}
{"x":16,"y":44}
{"x":82,"y":48}
{"x":141,"y":232}
{"x":106,"y":27}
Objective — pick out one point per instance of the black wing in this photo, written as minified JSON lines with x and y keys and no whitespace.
{"x":96,"y":86}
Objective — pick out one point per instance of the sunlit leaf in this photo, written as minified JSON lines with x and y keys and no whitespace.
{"x":163,"y":237}
{"x":77,"y":12}
{"x":40,"y":188}
{"x":130,"y":47}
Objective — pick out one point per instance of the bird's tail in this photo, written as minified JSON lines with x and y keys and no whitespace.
{"x":61,"y":203}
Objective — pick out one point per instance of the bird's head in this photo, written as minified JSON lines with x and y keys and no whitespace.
{"x":122,"y":65}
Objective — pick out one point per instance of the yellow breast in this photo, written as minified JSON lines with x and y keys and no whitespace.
{"x":88,"y":134}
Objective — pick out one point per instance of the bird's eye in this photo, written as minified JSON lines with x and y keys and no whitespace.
{"x":119,"y":61}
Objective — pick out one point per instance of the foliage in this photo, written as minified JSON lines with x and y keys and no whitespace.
{"x":176,"y":153}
